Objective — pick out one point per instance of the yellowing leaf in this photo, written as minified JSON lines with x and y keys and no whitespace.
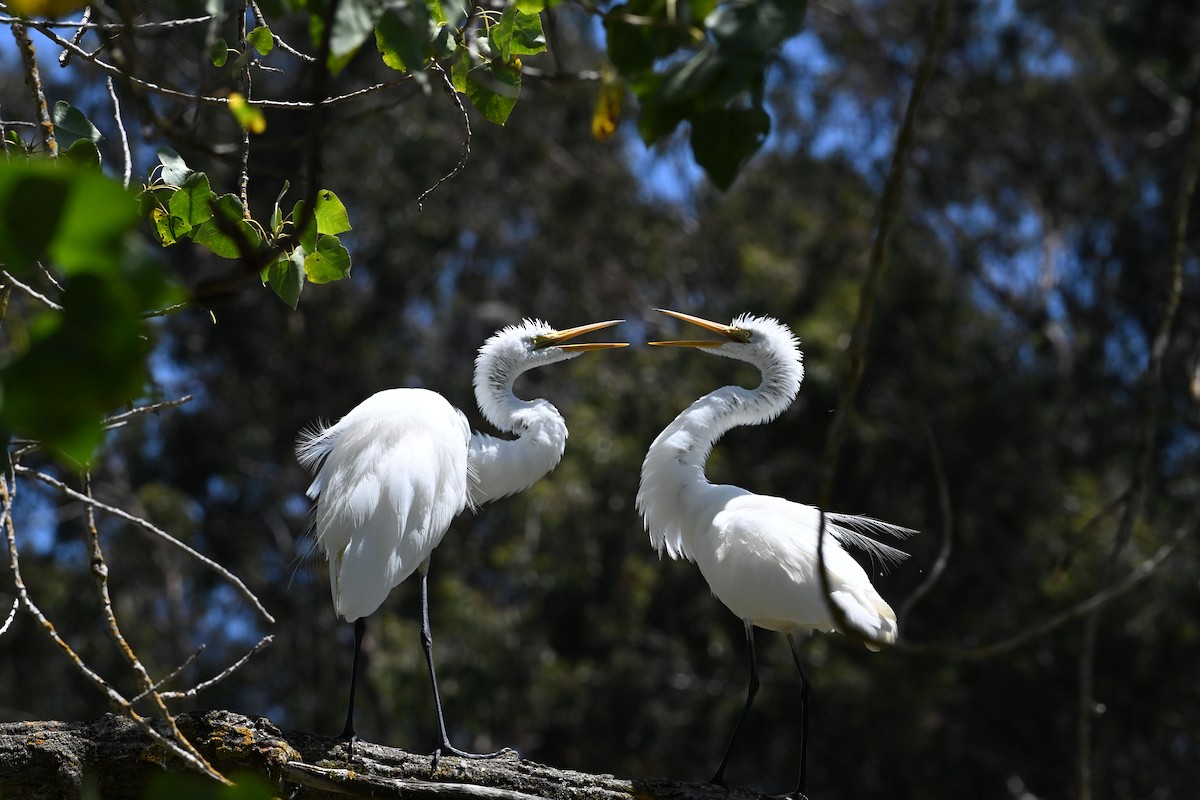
{"x":45,"y":8}
{"x":249,"y":117}
{"x":607,"y":112}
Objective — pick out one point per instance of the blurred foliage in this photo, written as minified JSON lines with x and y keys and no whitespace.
{"x":1025,"y":279}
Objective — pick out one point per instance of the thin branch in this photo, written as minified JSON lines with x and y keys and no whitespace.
{"x":83,"y":24}
{"x":175,"y":673}
{"x":12,"y":614}
{"x":166,"y":91}
{"x":947,"y":513}
{"x":100,"y":573}
{"x":29,"y":290}
{"x":856,"y":350}
{"x":112,"y":94}
{"x":117,"y":420}
{"x":34,"y":82}
{"x":150,"y":528}
{"x":280,"y":43}
{"x":232,"y":668}
{"x":1144,"y":449}
{"x":448,"y":85}
{"x":1074,"y":613}
{"x":81,"y":27}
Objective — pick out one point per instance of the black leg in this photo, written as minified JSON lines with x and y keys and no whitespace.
{"x":719,"y":777}
{"x":804,"y":700}
{"x":427,"y":645}
{"x":360,"y":627}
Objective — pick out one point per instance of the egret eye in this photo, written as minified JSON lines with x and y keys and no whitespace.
{"x":542,"y":340}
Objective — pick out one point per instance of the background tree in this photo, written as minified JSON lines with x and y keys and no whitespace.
{"x":1029,"y":389}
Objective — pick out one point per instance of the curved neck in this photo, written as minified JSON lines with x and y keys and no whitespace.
{"x":673,"y":472}
{"x":691,"y":435}
{"x":500,"y":467}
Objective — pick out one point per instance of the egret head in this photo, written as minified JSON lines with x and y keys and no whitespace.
{"x":759,"y":340}
{"x":525,"y":346}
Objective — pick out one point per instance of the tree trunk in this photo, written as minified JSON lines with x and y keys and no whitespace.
{"x":112,"y":758}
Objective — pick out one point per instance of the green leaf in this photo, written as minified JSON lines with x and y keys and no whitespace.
{"x":353,"y":22}
{"x":169,"y":229}
{"x":530,"y":6}
{"x":758,"y":27}
{"x":528,"y":38}
{"x":192,"y":204}
{"x":308,"y":236}
{"x":82,"y":152}
{"x":696,"y":75}
{"x":86,"y":361}
{"x":276,"y":212}
{"x":76,"y":217}
{"x":285,"y":276}
{"x":330,"y":261}
{"x":501,"y":34}
{"x":218,"y":54}
{"x":633,"y":48}
{"x":71,"y":126}
{"x":331,"y":214}
{"x":459,"y":70}
{"x":261,"y":40}
{"x":212,"y":234}
{"x":398,"y":42}
{"x":493,"y":88}
{"x":175,"y":171}
{"x":723,"y":139}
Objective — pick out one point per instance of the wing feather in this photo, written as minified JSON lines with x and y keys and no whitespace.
{"x":390,"y":477}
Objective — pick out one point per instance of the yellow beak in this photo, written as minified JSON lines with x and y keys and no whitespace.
{"x":730,"y":333}
{"x":556,"y":338}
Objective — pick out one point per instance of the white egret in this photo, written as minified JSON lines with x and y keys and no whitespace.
{"x":758,"y":553}
{"x":392,"y":474}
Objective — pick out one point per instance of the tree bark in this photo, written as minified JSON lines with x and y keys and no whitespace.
{"x":112,"y":758}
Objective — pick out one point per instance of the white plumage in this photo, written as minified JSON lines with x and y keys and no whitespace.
{"x":758,"y":553}
{"x":391,"y":475}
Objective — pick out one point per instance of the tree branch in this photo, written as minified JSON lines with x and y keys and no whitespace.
{"x":116,"y":758}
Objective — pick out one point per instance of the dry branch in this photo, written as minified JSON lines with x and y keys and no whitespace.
{"x":114,"y":758}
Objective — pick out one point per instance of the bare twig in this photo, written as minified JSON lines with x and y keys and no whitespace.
{"x":232,"y":668}
{"x":150,"y":528}
{"x":12,"y":614}
{"x":81,"y":27}
{"x":117,"y":420}
{"x":83,"y":24}
{"x":947,"y":513}
{"x":112,"y":94}
{"x":280,"y":43}
{"x":1144,"y":449}
{"x":10,"y":279}
{"x":856,"y":350}
{"x":166,"y":91}
{"x":100,"y":573}
{"x":448,"y":85}
{"x":1074,"y":613}
{"x":187,"y":662}
{"x":115,"y":697}
{"x":34,"y":82}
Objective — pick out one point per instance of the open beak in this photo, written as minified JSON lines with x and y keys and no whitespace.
{"x":730,"y":333}
{"x":557,"y":338}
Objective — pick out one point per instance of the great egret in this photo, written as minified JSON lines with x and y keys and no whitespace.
{"x":758,"y":553}
{"x":392,"y":474}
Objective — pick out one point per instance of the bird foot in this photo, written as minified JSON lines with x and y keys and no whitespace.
{"x":719,"y":780}
{"x":795,"y":795}
{"x":350,"y":739}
